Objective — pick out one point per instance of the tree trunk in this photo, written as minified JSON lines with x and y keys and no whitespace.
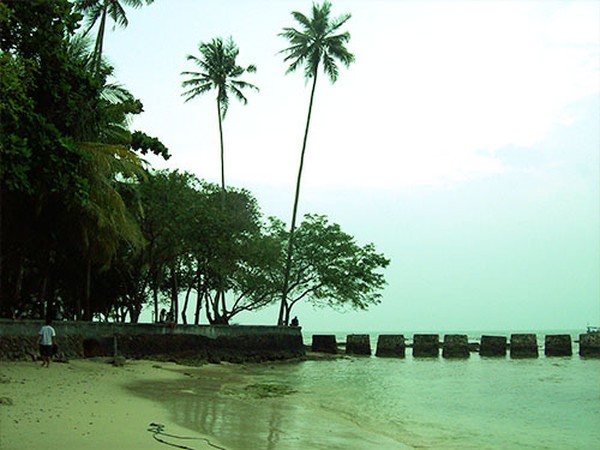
{"x":222,"y":149}
{"x":155,"y":296}
{"x":97,"y":55}
{"x":200,"y":292}
{"x":174,"y":294}
{"x":288,"y":265}
{"x":87,"y":293}
{"x":207,"y":308}
{"x":185,"y":305}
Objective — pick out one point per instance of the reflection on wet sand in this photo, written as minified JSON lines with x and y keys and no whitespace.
{"x":221,"y":404}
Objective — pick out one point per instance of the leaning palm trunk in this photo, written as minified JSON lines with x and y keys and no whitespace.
{"x":283,"y":314}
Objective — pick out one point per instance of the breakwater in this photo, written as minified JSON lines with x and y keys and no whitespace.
{"x":518,"y":345}
{"x":189,"y":343}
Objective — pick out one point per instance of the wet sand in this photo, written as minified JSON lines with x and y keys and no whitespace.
{"x":85,"y":404}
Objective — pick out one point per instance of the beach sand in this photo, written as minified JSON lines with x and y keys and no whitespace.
{"x":85,"y":404}
{"x":92,"y":404}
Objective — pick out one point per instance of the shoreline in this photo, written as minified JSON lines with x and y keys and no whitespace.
{"x":86,"y":404}
{"x":92,"y":404}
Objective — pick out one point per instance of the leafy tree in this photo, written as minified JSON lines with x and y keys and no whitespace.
{"x":329,"y":269}
{"x":42,"y":91}
{"x":96,"y":10}
{"x":218,"y":70}
{"x":318,"y":42}
{"x":65,"y":152}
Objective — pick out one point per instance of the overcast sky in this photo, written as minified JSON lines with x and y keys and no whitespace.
{"x":464,"y":143}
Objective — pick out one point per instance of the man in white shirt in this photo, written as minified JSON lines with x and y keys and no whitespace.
{"x":47,"y":335}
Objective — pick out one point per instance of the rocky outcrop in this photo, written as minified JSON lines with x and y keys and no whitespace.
{"x":26,"y":348}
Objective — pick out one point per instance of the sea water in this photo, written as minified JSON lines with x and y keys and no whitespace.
{"x":383,"y":403}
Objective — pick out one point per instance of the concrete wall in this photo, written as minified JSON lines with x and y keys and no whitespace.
{"x":102,"y":329}
{"x":18,"y":340}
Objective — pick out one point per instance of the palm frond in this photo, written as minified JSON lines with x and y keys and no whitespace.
{"x":317,"y":43}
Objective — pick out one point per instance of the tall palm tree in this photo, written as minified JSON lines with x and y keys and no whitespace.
{"x":96,"y":10}
{"x":318,"y":42}
{"x":218,"y":70}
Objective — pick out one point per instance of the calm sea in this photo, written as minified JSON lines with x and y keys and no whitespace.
{"x":380,"y":403}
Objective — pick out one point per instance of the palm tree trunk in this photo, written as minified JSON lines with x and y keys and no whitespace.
{"x":222,"y":148}
{"x":282,"y":320}
{"x":97,"y":59}
{"x":221,"y":288}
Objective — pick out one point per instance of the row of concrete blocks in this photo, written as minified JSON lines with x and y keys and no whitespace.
{"x":457,"y":345}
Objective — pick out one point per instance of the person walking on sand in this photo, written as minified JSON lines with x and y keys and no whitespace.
{"x":47,"y":342}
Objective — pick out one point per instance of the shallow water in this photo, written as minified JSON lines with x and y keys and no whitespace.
{"x":377,"y":403}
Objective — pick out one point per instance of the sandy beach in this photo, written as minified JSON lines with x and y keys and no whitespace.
{"x":91,"y":404}
{"x":85,"y":404}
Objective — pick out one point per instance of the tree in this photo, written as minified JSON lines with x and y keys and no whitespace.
{"x":318,"y":42}
{"x":96,"y":10}
{"x":329,"y":269}
{"x":66,"y":155}
{"x":218,"y":70}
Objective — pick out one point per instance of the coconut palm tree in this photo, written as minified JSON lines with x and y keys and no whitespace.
{"x":96,"y":10}
{"x":218,"y":70}
{"x":318,"y":42}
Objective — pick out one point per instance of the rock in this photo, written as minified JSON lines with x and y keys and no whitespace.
{"x":456,"y":346}
{"x":492,"y":346}
{"x":523,"y":346}
{"x":426,"y":345}
{"x":558,"y":345}
{"x":324,"y":343}
{"x":589,"y":345}
{"x":6,"y":401}
{"x":118,"y":361}
{"x":358,"y":344}
{"x":391,"y":345}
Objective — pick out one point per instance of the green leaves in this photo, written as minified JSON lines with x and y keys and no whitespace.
{"x":218,"y":70}
{"x":316,"y":42}
{"x":329,"y":268}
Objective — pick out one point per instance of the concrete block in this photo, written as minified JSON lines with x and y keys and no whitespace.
{"x":358,"y":344}
{"x":492,"y":346}
{"x":523,"y":346}
{"x":426,"y":345}
{"x":589,"y":345}
{"x":391,"y":345}
{"x":324,"y":343}
{"x":456,"y":346}
{"x":558,"y":345}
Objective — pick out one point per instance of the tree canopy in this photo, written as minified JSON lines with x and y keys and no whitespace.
{"x":89,"y":229}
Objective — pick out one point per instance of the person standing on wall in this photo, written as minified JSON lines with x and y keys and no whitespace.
{"x":47,"y":342}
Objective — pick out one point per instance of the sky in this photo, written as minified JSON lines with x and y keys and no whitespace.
{"x":464,"y":142}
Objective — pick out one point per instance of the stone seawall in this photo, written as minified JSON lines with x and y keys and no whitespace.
{"x":19,"y":341}
{"x":524,"y":345}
